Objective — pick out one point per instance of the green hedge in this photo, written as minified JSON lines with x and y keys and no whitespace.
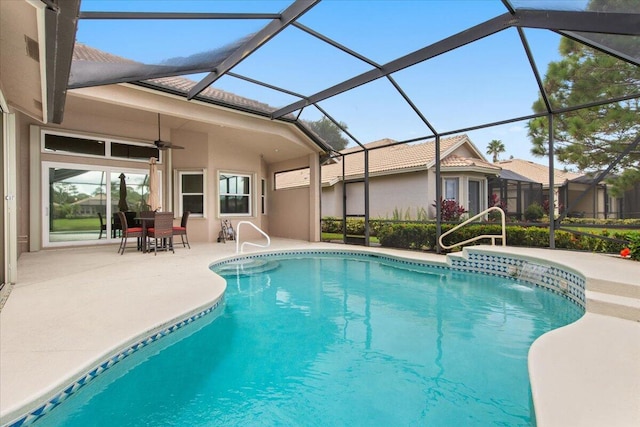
{"x":423,"y":236}
{"x":598,"y":221}
{"x":355,"y":226}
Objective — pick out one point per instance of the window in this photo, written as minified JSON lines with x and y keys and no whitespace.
{"x":451,"y":188}
{"x":263,"y":196}
{"x":89,"y":146}
{"x":474,"y":197}
{"x":191,"y":192}
{"x":136,"y":152}
{"x":67,"y":144}
{"x":235,"y":194}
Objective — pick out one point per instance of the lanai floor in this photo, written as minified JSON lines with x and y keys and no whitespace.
{"x":72,"y":308}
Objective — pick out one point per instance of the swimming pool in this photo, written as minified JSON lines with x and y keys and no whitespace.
{"x":335,"y":340}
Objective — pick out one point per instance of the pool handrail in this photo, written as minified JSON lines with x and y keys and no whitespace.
{"x":493,"y":237}
{"x":240,"y":248}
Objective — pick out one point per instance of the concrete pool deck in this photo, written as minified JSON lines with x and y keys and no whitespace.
{"x":73,"y":308}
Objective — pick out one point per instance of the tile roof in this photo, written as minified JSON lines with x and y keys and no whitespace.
{"x":466,"y":162}
{"x":389,"y":159}
{"x":82,"y":53}
{"x":536,"y":172}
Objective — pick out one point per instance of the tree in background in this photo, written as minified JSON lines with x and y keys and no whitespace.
{"x":494,"y":149}
{"x":593,"y":137}
{"x":329,"y":132}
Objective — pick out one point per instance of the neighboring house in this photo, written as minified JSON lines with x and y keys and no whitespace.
{"x":514,"y":193}
{"x":568,"y":188}
{"x":90,"y":206}
{"x":401,"y":179}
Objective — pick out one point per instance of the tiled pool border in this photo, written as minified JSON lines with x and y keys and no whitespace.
{"x":556,"y":279}
{"x":100,"y":368}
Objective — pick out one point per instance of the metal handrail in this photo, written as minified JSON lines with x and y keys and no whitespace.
{"x":493,"y":237}
{"x":239,"y":251}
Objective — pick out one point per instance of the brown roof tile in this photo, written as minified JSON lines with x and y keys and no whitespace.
{"x":536,"y":172}
{"x":82,"y":52}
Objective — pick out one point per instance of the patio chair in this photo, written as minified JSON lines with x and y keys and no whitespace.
{"x":182,"y":229}
{"x":162,"y":232}
{"x":116,"y":225}
{"x":103,"y":226}
{"x":128,"y":232}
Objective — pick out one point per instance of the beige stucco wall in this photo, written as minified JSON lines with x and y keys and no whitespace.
{"x":289,"y":209}
{"x":402,"y":191}
{"x":409,"y":191}
{"x":224,"y":147}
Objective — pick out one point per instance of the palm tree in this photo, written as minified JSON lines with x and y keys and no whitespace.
{"x":494,"y":149}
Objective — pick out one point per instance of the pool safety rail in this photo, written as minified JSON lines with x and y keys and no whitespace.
{"x":239,"y":247}
{"x":493,"y":237}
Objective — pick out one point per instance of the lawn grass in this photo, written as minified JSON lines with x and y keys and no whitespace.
{"x":338,"y":236}
{"x":599,"y":230}
{"x":76,"y":224}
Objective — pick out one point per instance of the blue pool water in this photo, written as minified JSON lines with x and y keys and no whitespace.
{"x":336,"y":341}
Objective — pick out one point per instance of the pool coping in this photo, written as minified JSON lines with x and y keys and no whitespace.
{"x":494,"y":257}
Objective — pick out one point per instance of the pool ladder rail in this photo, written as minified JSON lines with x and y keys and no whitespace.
{"x":239,"y":247}
{"x":493,"y":237}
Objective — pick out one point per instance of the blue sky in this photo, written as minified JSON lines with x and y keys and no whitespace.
{"x":488,"y":81}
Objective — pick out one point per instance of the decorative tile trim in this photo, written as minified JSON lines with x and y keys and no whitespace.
{"x":368,"y":255}
{"x":556,"y":279}
{"x":553,"y":278}
{"x":89,"y":376}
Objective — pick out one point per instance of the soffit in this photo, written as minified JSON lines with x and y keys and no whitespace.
{"x":20,"y":66}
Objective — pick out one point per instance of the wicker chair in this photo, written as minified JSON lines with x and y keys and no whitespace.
{"x":162,"y":232}
{"x":103,"y":226}
{"x":128,"y":232}
{"x":182,"y":229}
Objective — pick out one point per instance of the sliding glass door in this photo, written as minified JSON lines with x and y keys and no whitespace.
{"x":80,"y":201}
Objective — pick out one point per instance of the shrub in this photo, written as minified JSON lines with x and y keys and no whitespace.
{"x":450,"y":210}
{"x":533,"y":212}
{"x":423,"y":236}
{"x":408,"y":235}
{"x":634,"y":245}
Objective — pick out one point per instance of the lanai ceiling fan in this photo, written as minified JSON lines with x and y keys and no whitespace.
{"x":164,"y":145}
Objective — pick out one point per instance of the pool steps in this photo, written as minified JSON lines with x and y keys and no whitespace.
{"x":601,"y":296}
{"x":247,"y":267}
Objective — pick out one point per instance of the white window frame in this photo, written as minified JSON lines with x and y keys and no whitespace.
{"x":45,"y":212}
{"x":250,"y":196}
{"x":444,"y":186}
{"x":107,"y":141}
{"x":179,"y":173}
{"x":482,"y":199}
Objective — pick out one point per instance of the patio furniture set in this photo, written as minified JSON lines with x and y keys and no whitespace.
{"x":155,"y":232}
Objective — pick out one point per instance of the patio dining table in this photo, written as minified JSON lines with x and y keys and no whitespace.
{"x":145,"y":222}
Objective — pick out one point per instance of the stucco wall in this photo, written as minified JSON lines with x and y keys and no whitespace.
{"x":216,"y":148}
{"x":289,"y":209}
{"x":401,"y":193}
